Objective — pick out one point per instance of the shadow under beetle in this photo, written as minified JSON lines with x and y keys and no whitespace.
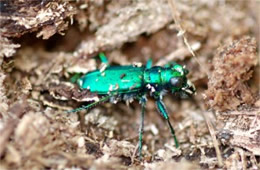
{"x":135,"y":82}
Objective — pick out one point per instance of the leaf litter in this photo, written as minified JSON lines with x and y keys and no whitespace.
{"x":35,"y":90}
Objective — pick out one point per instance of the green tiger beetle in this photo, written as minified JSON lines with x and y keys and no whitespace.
{"x":135,"y":82}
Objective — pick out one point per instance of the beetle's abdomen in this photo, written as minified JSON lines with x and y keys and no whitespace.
{"x":120,"y":79}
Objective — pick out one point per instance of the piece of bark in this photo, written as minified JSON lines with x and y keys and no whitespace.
{"x":17,"y":110}
{"x":20,"y":17}
{"x":242,"y":129}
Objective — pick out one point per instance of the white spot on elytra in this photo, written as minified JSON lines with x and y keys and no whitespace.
{"x":137,"y":64}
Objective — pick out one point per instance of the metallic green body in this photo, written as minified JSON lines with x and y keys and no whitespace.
{"x":127,"y":82}
{"x":129,"y":79}
{"x":120,"y":79}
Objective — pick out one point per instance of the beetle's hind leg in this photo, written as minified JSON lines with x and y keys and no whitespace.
{"x":164,"y":113}
{"x":86,"y":107}
{"x":75,"y":77}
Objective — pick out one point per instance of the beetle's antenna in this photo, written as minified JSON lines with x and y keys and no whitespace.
{"x":90,"y":105}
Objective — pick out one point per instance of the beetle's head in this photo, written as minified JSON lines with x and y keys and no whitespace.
{"x":178,"y":82}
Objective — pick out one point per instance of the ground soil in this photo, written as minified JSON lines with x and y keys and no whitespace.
{"x":44,"y":43}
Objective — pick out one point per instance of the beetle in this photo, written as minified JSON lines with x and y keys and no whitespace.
{"x":130,"y":82}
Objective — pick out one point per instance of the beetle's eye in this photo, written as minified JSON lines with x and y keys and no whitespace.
{"x":176,"y":81}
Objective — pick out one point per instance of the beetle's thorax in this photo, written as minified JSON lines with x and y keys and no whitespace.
{"x":156,"y":78}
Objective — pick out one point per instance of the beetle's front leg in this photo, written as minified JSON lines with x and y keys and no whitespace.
{"x":163,"y":112}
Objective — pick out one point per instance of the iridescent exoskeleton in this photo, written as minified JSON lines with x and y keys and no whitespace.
{"x":136,"y":82}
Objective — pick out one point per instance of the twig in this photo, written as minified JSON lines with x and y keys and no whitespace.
{"x":134,"y":153}
{"x":176,"y":19}
{"x":242,"y":154}
{"x":180,"y":53}
{"x":214,"y":138}
{"x":182,"y":33}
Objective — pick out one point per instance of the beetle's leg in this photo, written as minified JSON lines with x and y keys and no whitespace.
{"x":164,"y":113}
{"x":75,"y":77}
{"x":170,"y":64}
{"x":141,"y":127}
{"x":103,"y":59}
{"x":106,"y":98}
{"x":149,"y":63}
